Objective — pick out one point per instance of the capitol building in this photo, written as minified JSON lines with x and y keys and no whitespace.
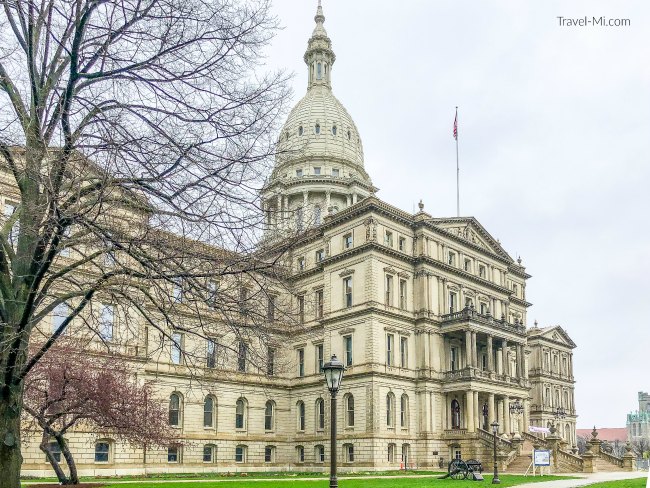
{"x":427,"y":313}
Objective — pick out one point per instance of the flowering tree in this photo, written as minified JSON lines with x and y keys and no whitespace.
{"x":67,"y":390}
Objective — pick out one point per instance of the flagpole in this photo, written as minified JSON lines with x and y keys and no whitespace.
{"x":457,"y":170}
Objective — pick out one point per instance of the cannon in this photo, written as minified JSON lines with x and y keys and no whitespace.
{"x":460,"y":470}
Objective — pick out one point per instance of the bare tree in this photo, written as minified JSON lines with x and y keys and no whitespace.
{"x":133,"y":140}
{"x":67,"y":389}
{"x":641,"y":447}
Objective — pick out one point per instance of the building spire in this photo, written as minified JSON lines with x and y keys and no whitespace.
{"x":319,"y":56}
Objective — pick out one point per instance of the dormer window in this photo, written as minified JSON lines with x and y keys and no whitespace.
{"x":299,"y":173}
{"x":300,"y":130}
{"x":333,"y":130}
{"x":317,"y":128}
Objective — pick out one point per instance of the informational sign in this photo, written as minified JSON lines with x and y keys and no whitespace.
{"x":539,"y":430}
{"x":542,"y":457}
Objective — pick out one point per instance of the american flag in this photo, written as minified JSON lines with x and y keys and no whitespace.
{"x":456,"y":126}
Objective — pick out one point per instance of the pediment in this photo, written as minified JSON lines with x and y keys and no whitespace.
{"x":468,"y":229}
{"x":558,"y":335}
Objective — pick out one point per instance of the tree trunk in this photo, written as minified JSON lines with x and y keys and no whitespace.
{"x":72,"y":467}
{"x":10,"y":456}
{"x":55,"y":465}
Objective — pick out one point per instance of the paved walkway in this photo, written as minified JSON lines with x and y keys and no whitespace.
{"x":587,"y":480}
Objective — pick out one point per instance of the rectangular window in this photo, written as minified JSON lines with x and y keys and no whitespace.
{"x":347,"y":241}
{"x":454,"y":359}
{"x":316,"y":170}
{"x":301,"y":264}
{"x":349,"y":453}
{"x":389,"y":291}
{"x":301,"y":454}
{"x":388,"y":239}
{"x":451,"y":259}
{"x":268,"y":454}
{"x":208,"y":454}
{"x":402,"y":244}
{"x":320,"y":454}
{"x":55,"y":450}
{"x":481,"y":271}
{"x":320,"y":255}
{"x":467,"y":266}
{"x":211,"y":354}
{"x":270,"y":312}
{"x":177,"y":346}
{"x":177,"y":290}
{"x":173,"y":454}
{"x":106,"y":319}
{"x":301,"y":362}
{"x":347,"y":290}
{"x":335,"y":172}
{"x":240,"y":454}
{"x":319,"y":304}
{"x":390,"y":344}
{"x":402,"y":294}
{"x":102,"y":450}
{"x":301,"y":309}
{"x":59,"y":314}
{"x":347,"y":343}
{"x":298,"y":173}
{"x":212,"y":294}
{"x":320,"y":358}
{"x":453,"y":301}
{"x":404,"y":351}
{"x":483,"y":308}
{"x":270,"y":361}
{"x":241,"y":357}
{"x":484,"y":362}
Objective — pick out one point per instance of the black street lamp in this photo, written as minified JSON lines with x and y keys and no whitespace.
{"x":495,"y":429}
{"x":333,"y":370}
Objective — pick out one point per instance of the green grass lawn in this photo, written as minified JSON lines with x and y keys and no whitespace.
{"x":632,"y":483}
{"x":296,"y":482}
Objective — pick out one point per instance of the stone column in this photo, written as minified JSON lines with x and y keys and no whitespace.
{"x":328,"y":200}
{"x":469,"y":411}
{"x":491,"y":409}
{"x":526,"y":415}
{"x":474,"y":351}
{"x":506,"y":415}
{"x":525,"y":363}
{"x":490,"y":354}
{"x":500,"y":416}
{"x":354,"y":198}
{"x":477,"y":410}
{"x":468,"y":348}
{"x":506,"y":365}
{"x":445,"y":412}
{"x":499,"y":368}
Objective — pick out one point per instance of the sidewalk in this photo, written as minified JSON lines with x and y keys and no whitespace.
{"x":587,"y":480}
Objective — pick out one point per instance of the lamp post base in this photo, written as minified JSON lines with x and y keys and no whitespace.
{"x":334,"y":482}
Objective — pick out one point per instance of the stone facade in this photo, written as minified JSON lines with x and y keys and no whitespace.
{"x":638,"y":423}
{"x":428,"y":314}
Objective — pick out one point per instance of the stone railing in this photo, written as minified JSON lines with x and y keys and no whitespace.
{"x":455,"y":434}
{"x":534,"y":439}
{"x":610,"y":458}
{"x":488,"y":437}
{"x":571,"y":461}
{"x":471,"y":313}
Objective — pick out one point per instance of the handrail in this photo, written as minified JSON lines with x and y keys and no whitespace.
{"x":534,"y":439}
{"x":611,"y":458}
{"x":489,"y":437}
{"x":569,"y":458}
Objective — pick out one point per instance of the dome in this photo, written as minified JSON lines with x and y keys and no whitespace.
{"x":319,"y":129}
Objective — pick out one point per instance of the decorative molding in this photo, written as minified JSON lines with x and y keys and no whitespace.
{"x":390,"y":270}
{"x":403,"y":274}
{"x":346,"y":272}
{"x":346,"y":331}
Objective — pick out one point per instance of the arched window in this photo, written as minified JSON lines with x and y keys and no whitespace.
{"x":300,"y":130}
{"x":300,"y":454}
{"x":334,"y":130}
{"x":349,"y":135}
{"x":317,"y":128}
{"x":319,"y":453}
{"x":349,"y":410}
{"x":320,"y":414}
{"x":319,"y":71}
{"x":209,"y":411}
{"x":175,"y":410}
{"x":404,"y":411}
{"x":390,"y":410}
{"x":455,"y":414}
{"x":486,"y":425}
{"x":240,"y":414}
{"x":391,"y":453}
{"x":300,"y":406}
{"x":268,"y":415}
{"x":240,"y":453}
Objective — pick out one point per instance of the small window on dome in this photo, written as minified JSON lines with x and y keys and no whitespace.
{"x":317,"y":128}
{"x":319,"y":71}
{"x":300,"y":130}
{"x":335,"y":172}
{"x":298,"y":173}
{"x":349,"y":135}
{"x":317,"y":170}
{"x":286,"y":136}
{"x":333,"y":130}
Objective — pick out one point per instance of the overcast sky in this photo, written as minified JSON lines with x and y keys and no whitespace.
{"x":554,"y":134}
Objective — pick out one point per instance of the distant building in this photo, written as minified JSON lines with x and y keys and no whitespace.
{"x":638,"y":423}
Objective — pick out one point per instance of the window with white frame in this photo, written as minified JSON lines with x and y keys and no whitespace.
{"x":390,"y":349}
{"x":453,"y":366}
{"x":347,"y":241}
{"x":209,"y":453}
{"x":106,"y":321}
{"x":240,"y":414}
{"x":301,"y":308}
{"x":404,"y":411}
{"x":391,"y":453}
{"x":102,"y":451}
{"x":240,"y":454}
{"x":209,"y":412}
{"x":389,"y":291}
{"x":175,"y":410}
{"x":390,"y":410}
{"x":451,"y":258}
{"x":348,"y":449}
{"x":300,"y":410}
{"x":347,"y":347}
{"x":320,"y":255}
{"x":320,"y":414}
{"x":319,"y":452}
{"x":211,"y":353}
{"x":402,"y":244}
{"x":388,"y":238}
{"x":269,"y":414}
{"x":320,"y":357}
{"x":348,"y":401}
{"x":301,"y":362}
{"x":174,"y":454}
{"x":404,"y":351}
{"x":300,"y":454}
{"x":402,"y":294}
{"x":347,"y":291}
{"x":177,"y":348}
{"x":319,"y":304}
{"x":467,"y":265}
{"x":453,"y":301}
{"x":269,"y":454}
